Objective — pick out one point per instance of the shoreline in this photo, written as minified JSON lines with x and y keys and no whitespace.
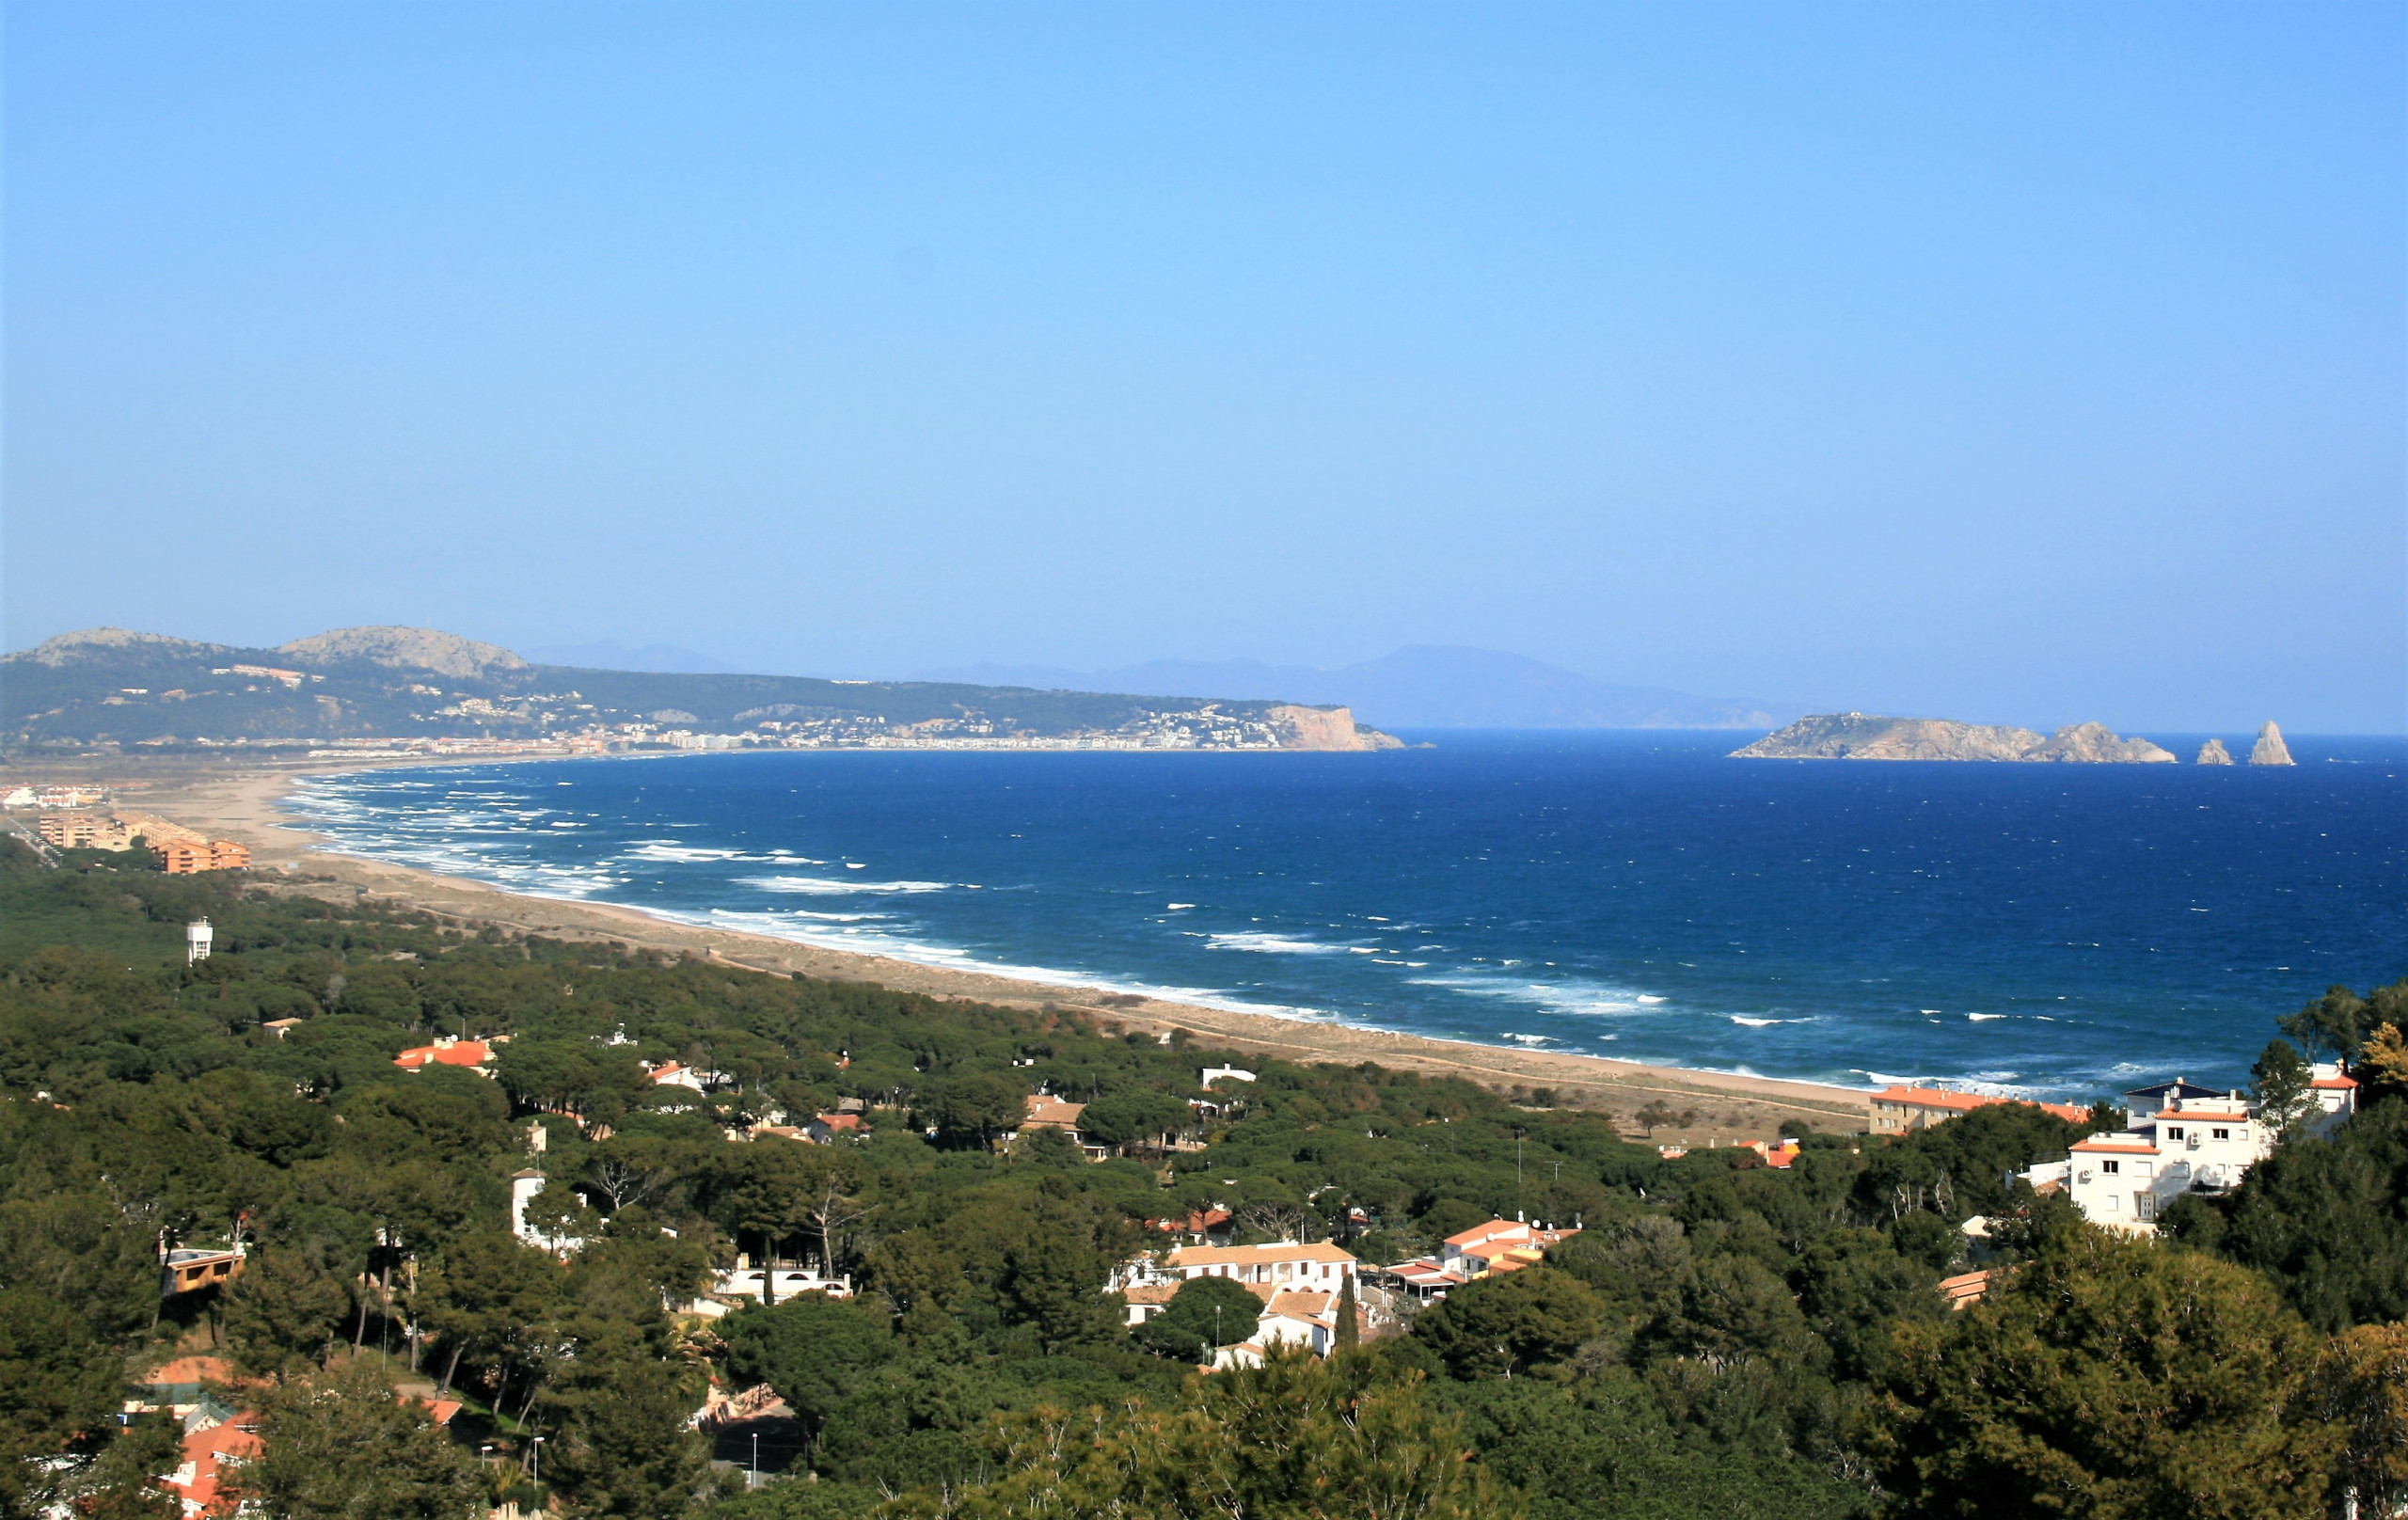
{"x":244,"y":804}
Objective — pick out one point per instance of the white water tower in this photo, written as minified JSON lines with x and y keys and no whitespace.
{"x":197,"y":936}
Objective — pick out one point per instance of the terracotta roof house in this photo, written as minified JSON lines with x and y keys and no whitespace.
{"x":1046,"y":1112}
{"x":469,"y":1054}
{"x":1960,"y":1293}
{"x":1322,"y":1265}
{"x":211,"y":1449}
{"x":827,"y":1127}
{"x":1898,"y":1109}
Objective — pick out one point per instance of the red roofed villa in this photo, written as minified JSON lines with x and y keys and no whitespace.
{"x":471,"y":1054}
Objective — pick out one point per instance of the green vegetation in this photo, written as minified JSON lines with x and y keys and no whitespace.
{"x":1721,"y":1338}
{"x":169,"y":693}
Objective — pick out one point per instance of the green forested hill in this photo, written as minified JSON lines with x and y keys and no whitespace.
{"x":1719,"y":1339}
{"x":133,"y":689}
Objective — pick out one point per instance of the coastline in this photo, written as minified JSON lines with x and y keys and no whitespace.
{"x":244,"y":804}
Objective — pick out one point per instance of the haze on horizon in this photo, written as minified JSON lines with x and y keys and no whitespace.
{"x":2009,"y":364}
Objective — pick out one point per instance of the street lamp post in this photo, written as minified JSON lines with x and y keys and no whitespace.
{"x":538,"y":1475}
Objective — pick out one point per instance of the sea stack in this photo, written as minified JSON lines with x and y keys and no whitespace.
{"x":2269,"y":749}
{"x":2213,"y":753}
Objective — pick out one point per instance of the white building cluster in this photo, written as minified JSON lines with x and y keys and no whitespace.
{"x":2182,"y":1138}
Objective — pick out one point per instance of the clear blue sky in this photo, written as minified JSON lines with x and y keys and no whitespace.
{"x":2011,"y":362}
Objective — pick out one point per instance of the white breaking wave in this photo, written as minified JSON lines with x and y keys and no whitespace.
{"x":1571,"y":997}
{"x":1268,"y":945}
{"x":821,"y":886}
{"x":1765,"y":1024}
{"x":669,"y":850}
{"x":1983,"y":1018}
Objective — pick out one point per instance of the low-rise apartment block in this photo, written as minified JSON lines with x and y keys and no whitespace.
{"x":2204,"y":1143}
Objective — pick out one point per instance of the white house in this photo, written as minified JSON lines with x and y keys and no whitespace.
{"x":523,"y":1188}
{"x":1282,"y":1264}
{"x":1300,"y":1317}
{"x":2125,"y":1180}
{"x":747,"y":1281}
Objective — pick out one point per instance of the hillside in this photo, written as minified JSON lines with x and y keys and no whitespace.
{"x":1861,"y":737}
{"x":395,"y":685}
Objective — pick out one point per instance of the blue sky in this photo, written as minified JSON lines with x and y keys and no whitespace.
{"x":2031,"y":363}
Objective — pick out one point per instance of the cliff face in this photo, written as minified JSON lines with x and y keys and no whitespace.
{"x":2270,"y":749}
{"x":1329,"y":728}
{"x":2214,"y":753}
{"x":1862,"y":736}
{"x":2094,"y":744}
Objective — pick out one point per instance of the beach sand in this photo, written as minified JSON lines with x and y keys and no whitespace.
{"x":241,"y":802}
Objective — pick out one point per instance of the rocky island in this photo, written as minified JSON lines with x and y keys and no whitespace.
{"x":1862,"y":736}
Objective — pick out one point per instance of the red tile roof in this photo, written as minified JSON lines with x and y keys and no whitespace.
{"x":460,"y":1052}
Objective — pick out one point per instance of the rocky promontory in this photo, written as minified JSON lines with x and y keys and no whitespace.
{"x":2214,"y":753}
{"x":1864,"y":737}
{"x":2270,"y":750}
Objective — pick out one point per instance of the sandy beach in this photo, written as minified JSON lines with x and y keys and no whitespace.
{"x":242,"y":802}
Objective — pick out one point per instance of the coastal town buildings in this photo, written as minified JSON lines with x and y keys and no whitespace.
{"x":84,"y":830}
{"x":1899,"y":1109}
{"x":188,"y":858}
{"x":2196,"y":1139}
{"x":1320,"y":1266}
{"x":1499,"y":1247}
{"x":1302,"y":1289}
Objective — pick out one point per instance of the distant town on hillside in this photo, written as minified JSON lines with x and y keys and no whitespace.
{"x":392,"y":691}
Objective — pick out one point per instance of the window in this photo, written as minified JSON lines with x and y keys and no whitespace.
{"x":2111,"y":1166}
{"x":2111,"y":1201}
{"x":2174,"y":1132}
{"x":2220,"y":1134}
{"x":2140,"y":1168}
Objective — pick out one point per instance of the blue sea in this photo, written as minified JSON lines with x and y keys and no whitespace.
{"x":2038,"y":930}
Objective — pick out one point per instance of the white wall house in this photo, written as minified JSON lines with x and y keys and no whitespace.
{"x":1283,"y":1263}
{"x":2125,"y":1180}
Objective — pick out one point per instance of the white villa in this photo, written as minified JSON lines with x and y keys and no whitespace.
{"x":1299,"y":1285}
{"x":2124,"y":1179}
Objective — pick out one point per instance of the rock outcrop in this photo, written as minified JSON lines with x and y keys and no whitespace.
{"x":2270,"y":749}
{"x":1862,"y":736}
{"x":406,"y":649}
{"x":2096,"y":744}
{"x":1328,"y":728}
{"x":2213,"y":753}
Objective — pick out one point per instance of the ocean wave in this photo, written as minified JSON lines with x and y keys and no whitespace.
{"x":1983,"y":1018}
{"x":1570,"y":997}
{"x":1268,"y":945}
{"x":670,"y":852}
{"x":1764,"y":1024}
{"x":821,"y":886}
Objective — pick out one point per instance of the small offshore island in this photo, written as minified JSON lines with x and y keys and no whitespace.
{"x":1862,"y":736}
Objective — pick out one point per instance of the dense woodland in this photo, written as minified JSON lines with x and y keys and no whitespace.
{"x":1721,"y":1338}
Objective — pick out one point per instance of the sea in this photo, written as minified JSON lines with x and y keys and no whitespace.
{"x":2063,"y":931}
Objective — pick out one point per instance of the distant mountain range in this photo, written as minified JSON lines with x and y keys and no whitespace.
{"x":1421,"y":686}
